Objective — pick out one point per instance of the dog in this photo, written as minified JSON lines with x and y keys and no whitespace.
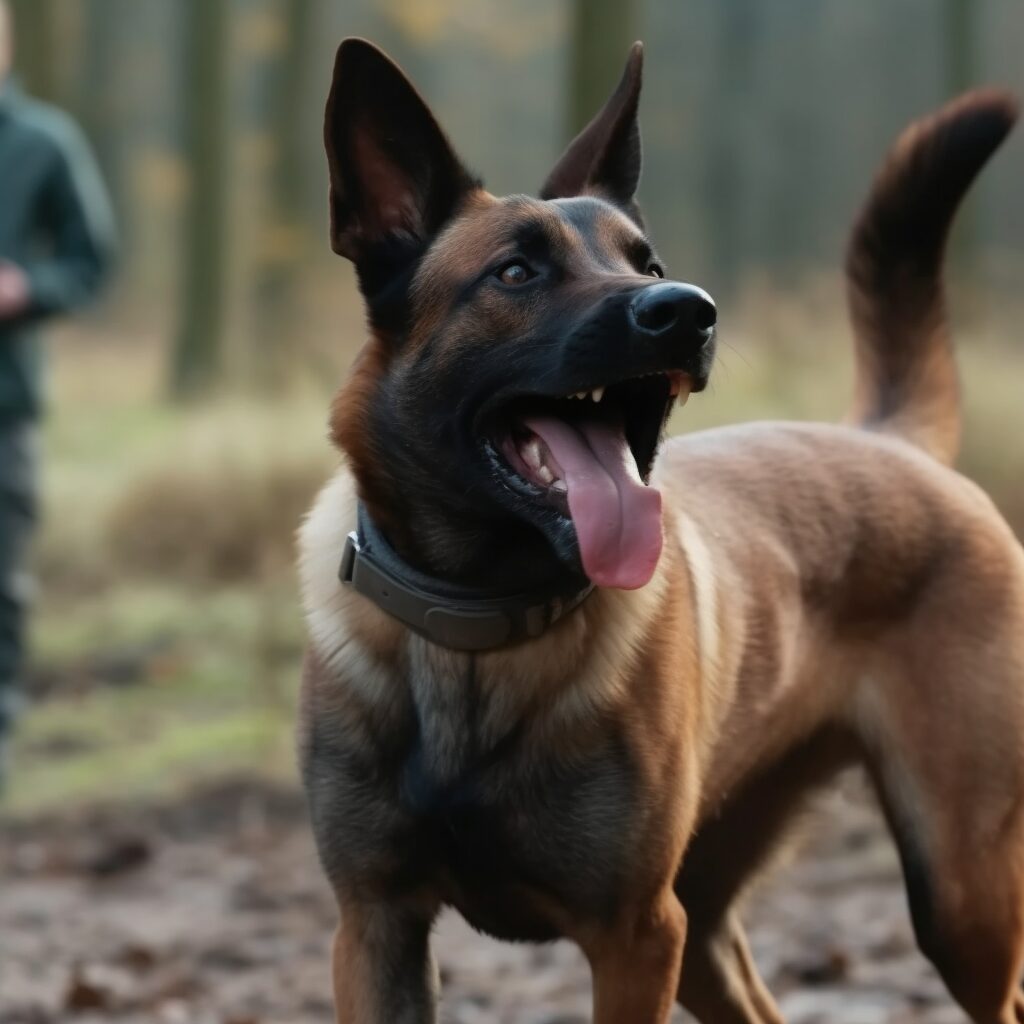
{"x":575,"y":682}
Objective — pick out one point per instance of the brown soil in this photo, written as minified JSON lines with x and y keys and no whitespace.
{"x":213,"y":911}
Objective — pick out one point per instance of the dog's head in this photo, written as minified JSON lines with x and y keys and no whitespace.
{"x":525,"y":353}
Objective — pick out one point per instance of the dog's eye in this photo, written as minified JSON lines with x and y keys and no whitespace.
{"x":654,"y":270}
{"x":515,"y":273}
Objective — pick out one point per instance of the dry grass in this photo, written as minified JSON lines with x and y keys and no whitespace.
{"x":137,"y":488}
{"x":168,"y":537}
{"x":223,"y":508}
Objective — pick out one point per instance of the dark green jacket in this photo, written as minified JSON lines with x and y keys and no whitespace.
{"x":55,"y":223}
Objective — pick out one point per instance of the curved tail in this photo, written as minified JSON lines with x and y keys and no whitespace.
{"x":906,"y":374}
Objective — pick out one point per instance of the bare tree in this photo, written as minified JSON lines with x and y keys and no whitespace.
{"x":961,"y":43}
{"x":281,"y":250}
{"x":196,"y":358}
{"x":601,"y":34}
{"x":960,"y":58}
{"x":35,"y":24}
{"x":735,"y":41}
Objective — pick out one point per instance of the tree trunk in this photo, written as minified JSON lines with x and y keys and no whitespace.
{"x":602,"y":32}
{"x":960,"y":31}
{"x":735,"y":41}
{"x":196,"y":359}
{"x":35,"y":46}
{"x":100,"y":84}
{"x":282,"y":247}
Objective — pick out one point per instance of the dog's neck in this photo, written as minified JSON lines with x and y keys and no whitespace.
{"x":508,"y":608}
{"x":465,"y":548}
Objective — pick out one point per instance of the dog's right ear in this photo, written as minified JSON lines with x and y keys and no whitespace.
{"x":394,"y":178}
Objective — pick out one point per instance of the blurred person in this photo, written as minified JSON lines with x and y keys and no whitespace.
{"x":56,"y":239}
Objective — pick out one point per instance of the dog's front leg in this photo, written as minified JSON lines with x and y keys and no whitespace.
{"x":636,"y":964}
{"x":383,"y":969}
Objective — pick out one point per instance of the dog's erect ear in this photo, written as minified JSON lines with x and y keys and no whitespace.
{"x":604,"y":158}
{"x":394,"y":177}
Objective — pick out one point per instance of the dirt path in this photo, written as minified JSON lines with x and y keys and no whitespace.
{"x":213,"y":911}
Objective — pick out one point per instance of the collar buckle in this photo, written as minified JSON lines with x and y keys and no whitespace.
{"x":348,"y":558}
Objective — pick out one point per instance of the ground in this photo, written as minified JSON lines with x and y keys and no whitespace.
{"x":212,"y":910}
{"x":138,"y":885}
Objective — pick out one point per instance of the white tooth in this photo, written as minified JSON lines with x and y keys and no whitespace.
{"x":531,"y":453}
{"x":597,"y":394}
{"x":580,"y":394}
{"x":559,"y":485}
{"x":545,"y":474}
{"x":679,"y":386}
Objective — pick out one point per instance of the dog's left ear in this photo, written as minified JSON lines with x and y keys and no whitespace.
{"x":394,"y":177}
{"x":604,"y":159}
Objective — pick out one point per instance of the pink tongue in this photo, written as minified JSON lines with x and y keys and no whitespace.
{"x":617,"y":518}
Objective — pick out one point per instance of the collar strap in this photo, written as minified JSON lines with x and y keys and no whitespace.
{"x":462,"y":618}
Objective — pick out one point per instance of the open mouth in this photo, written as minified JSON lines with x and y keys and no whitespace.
{"x":588,"y":456}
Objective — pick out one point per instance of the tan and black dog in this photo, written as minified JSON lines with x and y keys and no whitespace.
{"x":576,"y":685}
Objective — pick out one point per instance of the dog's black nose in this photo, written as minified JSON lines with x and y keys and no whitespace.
{"x":660,"y":307}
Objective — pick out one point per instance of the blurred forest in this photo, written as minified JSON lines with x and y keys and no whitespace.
{"x":762,"y":123}
{"x":186,"y":432}
{"x":152,"y":828}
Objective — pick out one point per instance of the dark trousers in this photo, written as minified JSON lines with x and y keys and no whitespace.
{"x":18,"y":512}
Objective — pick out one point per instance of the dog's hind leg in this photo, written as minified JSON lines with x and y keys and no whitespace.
{"x":947,"y":759}
{"x":720,"y":982}
{"x":966,"y":896}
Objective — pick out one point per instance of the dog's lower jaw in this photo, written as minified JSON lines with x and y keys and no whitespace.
{"x":473,"y":539}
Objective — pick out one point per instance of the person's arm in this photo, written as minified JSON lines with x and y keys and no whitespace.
{"x":77,"y":218}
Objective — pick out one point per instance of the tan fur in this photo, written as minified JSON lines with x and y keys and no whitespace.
{"x":771,"y":513}
{"x":826,"y":596}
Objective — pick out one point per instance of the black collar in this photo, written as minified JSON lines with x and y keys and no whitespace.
{"x":462,"y":618}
